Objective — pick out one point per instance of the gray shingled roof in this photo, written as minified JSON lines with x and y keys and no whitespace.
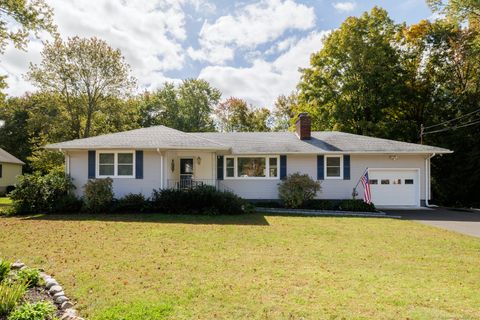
{"x":146,"y":138}
{"x":246,"y":142}
{"x":6,"y":157}
{"x":321,"y":142}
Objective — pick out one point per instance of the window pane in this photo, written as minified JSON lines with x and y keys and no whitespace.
{"x":273,"y":162}
{"x":125,"y":169}
{"x":408,"y":181}
{"x":333,"y":171}
{"x":273,"y":172}
{"x":373,"y":181}
{"x":251,"y":167}
{"x":397,"y":181}
{"x":230,"y":172}
{"x":106,"y":170}
{"x":126,"y":158}
{"x":333,"y":162}
{"x":230,"y":162}
{"x":106,"y":158}
{"x":385,"y":181}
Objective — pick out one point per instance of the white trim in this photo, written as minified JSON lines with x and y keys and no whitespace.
{"x":235,"y":167}
{"x":326,"y":177}
{"x":419,"y":184}
{"x":115,"y":164}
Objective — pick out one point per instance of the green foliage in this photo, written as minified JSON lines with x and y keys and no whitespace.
{"x":296,"y":189}
{"x":321,"y":204}
{"x":30,"y":276}
{"x":234,"y":115}
{"x":5,"y":267}
{"x":204,"y":200}
{"x":35,"y":193}
{"x":284,"y":111}
{"x":42,"y":310}
{"x":10,"y":295}
{"x":98,"y":195}
{"x":132,"y":203}
{"x":457,"y":9}
{"x":28,"y":17}
{"x":187,"y":107}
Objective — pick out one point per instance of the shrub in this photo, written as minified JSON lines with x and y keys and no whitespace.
{"x":42,"y":310}
{"x":4,"y":269}
{"x":342,"y":205}
{"x":35,"y":193}
{"x":98,"y":195}
{"x":30,"y":276}
{"x":10,"y":189}
{"x":296,"y":189}
{"x":132,"y":203}
{"x":10,"y":295}
{"x":199,"y":200}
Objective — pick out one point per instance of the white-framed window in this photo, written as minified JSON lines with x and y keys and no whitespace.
{"x":251,"y":167}
{"x":334,"y":167}
{"x":115,"y":164}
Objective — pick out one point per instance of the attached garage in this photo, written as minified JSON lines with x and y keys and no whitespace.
{"x":395,"y":187}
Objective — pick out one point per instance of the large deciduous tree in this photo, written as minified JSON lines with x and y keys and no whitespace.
{"x":235,"y":115}
{"x":187,"y":106}
{"x":90,"y":77}
{"x":284,"y":111}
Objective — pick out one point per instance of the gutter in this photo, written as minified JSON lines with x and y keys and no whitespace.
{"x":427,"y":181}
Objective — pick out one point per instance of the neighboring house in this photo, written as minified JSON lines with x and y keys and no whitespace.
{"x":10,"y":168}
{"x":251,"y":164}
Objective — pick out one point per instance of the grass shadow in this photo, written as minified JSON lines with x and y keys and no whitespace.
{"x":245,"y":219}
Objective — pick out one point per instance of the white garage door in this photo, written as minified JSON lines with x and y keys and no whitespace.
{"x":394,"y":187}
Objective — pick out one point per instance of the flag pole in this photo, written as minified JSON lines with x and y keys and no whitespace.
{"x":355,"y":188}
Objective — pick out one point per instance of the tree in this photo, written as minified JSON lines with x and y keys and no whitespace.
{"x":355,"y":80}
{"x":88,"y":75}
{"x":29,"y":17}
{"x":457,"y":9}
{"x":187,"y":106}
{"x":235,"y":115}
{"x":284,"y":111}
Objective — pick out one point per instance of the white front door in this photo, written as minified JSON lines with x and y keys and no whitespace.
{"x":394,"y":187}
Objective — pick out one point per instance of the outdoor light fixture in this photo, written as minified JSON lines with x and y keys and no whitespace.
{"x":393,"y":157}
{"x":172,"y":165}
{"x":199,"y":160}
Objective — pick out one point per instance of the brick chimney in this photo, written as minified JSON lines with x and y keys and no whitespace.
{"x":303,"y":126}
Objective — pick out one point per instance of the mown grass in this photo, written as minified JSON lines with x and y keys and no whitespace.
{"x":5,"y":202}
{"x":251,"y":267}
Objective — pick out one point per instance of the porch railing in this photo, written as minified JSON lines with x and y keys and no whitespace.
{"x":191,"y":183}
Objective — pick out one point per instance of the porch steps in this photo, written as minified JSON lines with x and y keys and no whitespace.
{"x":326,"y":213}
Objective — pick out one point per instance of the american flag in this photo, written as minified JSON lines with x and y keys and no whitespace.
{"x":367,"y":195}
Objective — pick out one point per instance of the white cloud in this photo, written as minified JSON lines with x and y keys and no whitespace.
{"x":250,"y":26}
{"x":264,"y":81}
{"x":150,"y":35}
{"x":344,"y":6}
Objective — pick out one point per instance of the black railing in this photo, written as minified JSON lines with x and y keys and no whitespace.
{"x":191,"y":183}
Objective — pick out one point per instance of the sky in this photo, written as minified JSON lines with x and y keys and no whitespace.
{"x":248,"y":49}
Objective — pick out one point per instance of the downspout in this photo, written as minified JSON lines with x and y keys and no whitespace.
{"x":427,"y":180}
{"x":161,"y":168}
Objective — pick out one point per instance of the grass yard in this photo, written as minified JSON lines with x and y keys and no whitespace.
{"x":251,"y":267}
{"x":4,"y":203}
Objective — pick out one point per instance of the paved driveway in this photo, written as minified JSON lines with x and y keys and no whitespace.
{"x":462,"y":221}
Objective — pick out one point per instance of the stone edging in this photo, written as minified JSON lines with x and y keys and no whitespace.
{"x":326,"y":213}
{"x":63,"y":304}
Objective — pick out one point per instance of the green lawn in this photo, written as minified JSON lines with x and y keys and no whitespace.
{"x":4,"y":203}
{"x":251,"y":267}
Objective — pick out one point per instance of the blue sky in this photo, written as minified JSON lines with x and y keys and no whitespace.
{"x":247,"y":49}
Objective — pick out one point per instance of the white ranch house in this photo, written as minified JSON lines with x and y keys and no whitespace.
{"x":251,"y":164}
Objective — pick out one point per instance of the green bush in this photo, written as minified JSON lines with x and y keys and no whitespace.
{"x":35,"y":193}
{"x":42,"y":310}
{"x":132,"y":203}
{"x":5,"y":267}
{"x":98,"y":195}
{"x":30,"y":276}
{"x":320,"y":204}
{"x":10,"y":295}
{"x":296,"y":189}
{"x":205,"y":200}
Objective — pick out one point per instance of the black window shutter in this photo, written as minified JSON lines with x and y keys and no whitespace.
{"x":346,"y":167}
{"x":1,"y":172}
{"x":219,"y":167}
{"x":139,"y":164}
{"x":91,"y":164}
{"x":320,"y":167}
{"x":283,"y":167}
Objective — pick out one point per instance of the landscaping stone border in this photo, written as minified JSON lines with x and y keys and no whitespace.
{"x":326,"y":213}
{"x":63,"y":304}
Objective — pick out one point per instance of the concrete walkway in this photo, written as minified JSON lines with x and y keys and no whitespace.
{"x":462,"y":221}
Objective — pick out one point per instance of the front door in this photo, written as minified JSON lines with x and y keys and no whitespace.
{"x":186,"y":172}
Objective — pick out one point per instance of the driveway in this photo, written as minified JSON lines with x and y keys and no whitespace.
{"x":462,"y":221}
